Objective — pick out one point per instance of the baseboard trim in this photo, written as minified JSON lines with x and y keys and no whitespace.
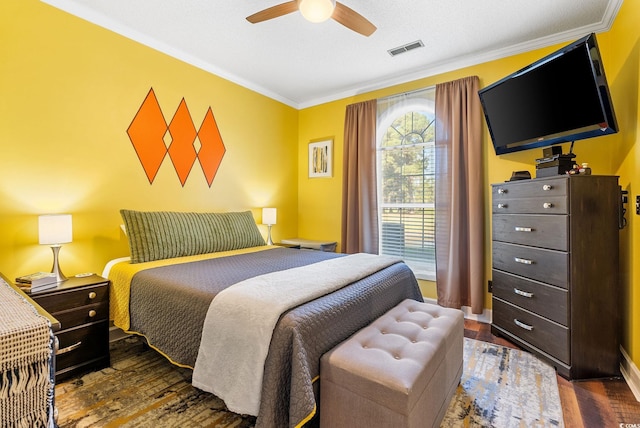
{"x":630,"y":373}
{"x":485,"y":317}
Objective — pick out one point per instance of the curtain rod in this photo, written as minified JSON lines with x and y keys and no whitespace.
{"x":388,"y":97}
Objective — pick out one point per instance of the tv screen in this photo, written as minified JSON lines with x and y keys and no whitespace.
{"x":559,"y":98}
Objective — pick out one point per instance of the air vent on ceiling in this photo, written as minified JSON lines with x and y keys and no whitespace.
{"x":406,"y":48}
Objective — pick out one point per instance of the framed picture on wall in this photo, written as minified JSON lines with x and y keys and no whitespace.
{"x":321,"y":159}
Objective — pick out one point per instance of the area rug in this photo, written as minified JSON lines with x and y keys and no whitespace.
{"x":500,"y":387}
{"x":140,"y":389}
{"x":503,"y":387}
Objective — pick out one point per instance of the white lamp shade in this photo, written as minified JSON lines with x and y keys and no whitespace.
{"x":54,"y":229}
{"x":316,"y":10}
{"x":268,"y":216}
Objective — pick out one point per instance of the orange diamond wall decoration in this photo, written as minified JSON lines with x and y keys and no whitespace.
{"x":149,"y":129}
{"x":146,"y":133}
{"x":183,"y":134}
{"x":212,"y":148}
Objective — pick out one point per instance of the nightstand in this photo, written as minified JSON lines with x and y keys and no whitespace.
{"x":81,"y":305}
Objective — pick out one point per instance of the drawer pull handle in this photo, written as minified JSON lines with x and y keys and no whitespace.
{"x":502,"y":191}
{"x":92,"y":313}
{"x":547,"y":187}
{"x":92,"y":295}
{"x":502,"y":205}
{"x":68,"y":348}
{"x":523,"y":261}
{"x":524,"y":229}
{"x":522,"y":325}
{"x":547,"y":205}
{"x":523,"y":293}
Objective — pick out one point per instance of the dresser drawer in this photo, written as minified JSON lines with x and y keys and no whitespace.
{"x":545,"y":300}
{"x":82,"y":345}
{"x":546,"y":335}
{"x":547,"y":205}
{"x":530,"y":189}
{"x":536,"y":230}
{"x":549,"y":266}
{"x":72,"y":298}
{"x":83,"y":315}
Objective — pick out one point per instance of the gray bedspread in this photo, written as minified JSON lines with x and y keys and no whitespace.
{"x":169,"y":304}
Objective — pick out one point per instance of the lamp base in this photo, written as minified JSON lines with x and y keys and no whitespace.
{"x":56,"y":266}
{"x":269,"y":241}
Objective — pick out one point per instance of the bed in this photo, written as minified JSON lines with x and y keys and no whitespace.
{"x":181,"y":263}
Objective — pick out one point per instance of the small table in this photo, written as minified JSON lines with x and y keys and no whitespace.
{"x":311,"y":244}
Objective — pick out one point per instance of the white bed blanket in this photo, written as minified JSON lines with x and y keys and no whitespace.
{"x":240,"y":322}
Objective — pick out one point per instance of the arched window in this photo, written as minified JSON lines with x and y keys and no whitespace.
{"x":406,"y":179}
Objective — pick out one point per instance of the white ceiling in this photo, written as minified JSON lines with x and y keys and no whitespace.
{"x":303,"y":64}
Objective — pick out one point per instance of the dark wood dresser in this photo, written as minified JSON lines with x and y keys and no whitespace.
{"x":555,"y":271}
{"x":81,"y":305}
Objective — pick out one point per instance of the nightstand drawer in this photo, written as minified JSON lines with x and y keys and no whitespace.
{"x":70,"y":299}
{"x":82,"y":345}
{"x":548,"y":336}
{"x":549,"y":266}
{"x":537,"y":230}
{"x":83,"y":315}
{"x":545,"y":300}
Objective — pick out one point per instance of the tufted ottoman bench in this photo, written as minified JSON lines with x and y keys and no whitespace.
{"x":400,"y":371}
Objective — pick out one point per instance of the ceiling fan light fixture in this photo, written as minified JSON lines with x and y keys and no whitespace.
{"x":316,"y":10}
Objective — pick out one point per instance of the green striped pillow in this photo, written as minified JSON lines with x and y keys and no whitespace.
{"x":156,"y":235}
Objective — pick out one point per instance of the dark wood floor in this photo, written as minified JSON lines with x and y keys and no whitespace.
{"x":592,"y":403}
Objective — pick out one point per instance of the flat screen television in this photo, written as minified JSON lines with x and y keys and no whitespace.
{"x":560,"y":98}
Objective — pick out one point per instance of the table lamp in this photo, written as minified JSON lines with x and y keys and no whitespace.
{"x":55,"y":230}
{"x":269,"y":218}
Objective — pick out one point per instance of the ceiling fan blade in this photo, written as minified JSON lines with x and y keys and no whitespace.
{"x":353,"y":20}
{"x":273,"y":12}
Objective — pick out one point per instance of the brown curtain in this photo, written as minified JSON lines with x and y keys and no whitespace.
{"x":359,"y":186}
{"x":459,"y":195}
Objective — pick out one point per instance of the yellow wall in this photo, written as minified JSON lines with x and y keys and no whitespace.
{"x":621,"y":46}
{"x":320,"y":199}
{"x":68,"y":92}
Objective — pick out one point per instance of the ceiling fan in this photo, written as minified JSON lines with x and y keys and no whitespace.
{"x":318,"y":11}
